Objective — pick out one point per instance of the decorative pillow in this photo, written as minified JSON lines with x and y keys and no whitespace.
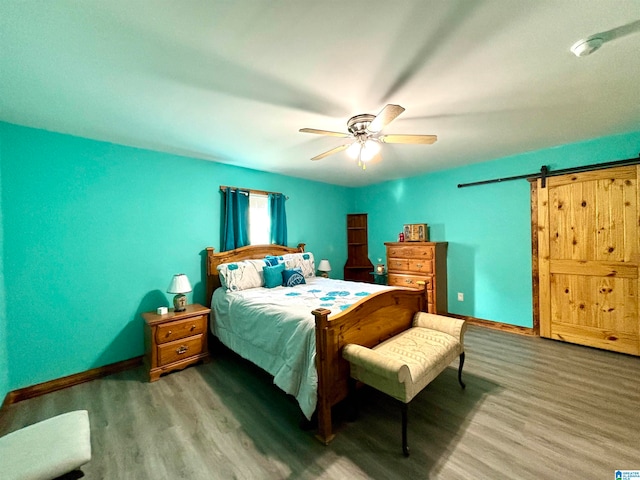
{"x":273,"y":275}
{"x":292,"y":277}
{"x":241,"y":275}
{"x":303,"y":261}
{"x":272,"y":261}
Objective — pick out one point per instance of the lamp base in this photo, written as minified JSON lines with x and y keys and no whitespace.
{"x":180,"y":303}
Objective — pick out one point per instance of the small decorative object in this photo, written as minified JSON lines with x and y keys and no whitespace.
{"x":324,"y":267}
{"x":416,"y":232}
{"x":401,"y":237}
{"x":179,"y":285}
{"x":380,"y":267}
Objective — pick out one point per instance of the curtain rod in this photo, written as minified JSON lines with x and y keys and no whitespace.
{"x":545,"y":172}
{"x":250,"y":190}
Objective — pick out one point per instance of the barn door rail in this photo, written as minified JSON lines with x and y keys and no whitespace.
{"x":545,"y":172}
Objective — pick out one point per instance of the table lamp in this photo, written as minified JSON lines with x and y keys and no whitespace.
{"x":324,"y":267}
{"x":179,"y":285}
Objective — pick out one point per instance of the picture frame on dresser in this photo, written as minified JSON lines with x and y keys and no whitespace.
{"x":416,"y":232}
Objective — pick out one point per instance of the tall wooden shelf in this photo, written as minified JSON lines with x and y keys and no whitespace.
{"x":358,"y":267}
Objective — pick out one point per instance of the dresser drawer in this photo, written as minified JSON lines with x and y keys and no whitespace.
{"x":179,"y":349}
{"x":410,"y":265}
{"x":423,"y":252}
{"x":398,"y":264}
{"x":422,"y":266}
{"x":170,"y":331}
{"x":400,"y":280}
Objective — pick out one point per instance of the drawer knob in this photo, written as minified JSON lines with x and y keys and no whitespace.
{"x":419,"y":265}
{"x":168,"y":333}
{"x":193,"y":327}
{"x":182,"y":349}
{"x":408,"y":280}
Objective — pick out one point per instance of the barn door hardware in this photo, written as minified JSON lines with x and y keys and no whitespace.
{"x":545,"y":172}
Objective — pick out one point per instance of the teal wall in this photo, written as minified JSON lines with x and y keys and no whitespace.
{"x":4,"y":361}
{"x":93,"y":233}
{"x":488,"y":227}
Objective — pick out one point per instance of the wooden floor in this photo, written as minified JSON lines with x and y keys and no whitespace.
{"x":532,"y":409}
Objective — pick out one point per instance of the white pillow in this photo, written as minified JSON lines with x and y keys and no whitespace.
{"x":242,"y":275}
{"x":303,"y":261}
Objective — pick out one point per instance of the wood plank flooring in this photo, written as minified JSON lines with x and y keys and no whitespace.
{"x":532,"y":409}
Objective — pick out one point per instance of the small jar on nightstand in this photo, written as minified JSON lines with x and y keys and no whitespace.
{"x":175,"y":340}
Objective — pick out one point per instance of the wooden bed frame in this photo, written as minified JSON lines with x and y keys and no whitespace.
{"x":368,"y":322}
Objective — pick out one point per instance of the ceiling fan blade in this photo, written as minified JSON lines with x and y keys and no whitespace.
{"x":324,"y":132}
{"x":331,"y":152}
{"x":385,"y":117}
{"x":417,"y":139}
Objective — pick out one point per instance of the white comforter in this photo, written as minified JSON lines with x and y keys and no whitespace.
{"x":274,"y":328}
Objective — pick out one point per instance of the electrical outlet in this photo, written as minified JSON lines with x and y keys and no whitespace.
{"x":460,"y":297}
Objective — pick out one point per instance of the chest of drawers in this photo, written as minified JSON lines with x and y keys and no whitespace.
{"x":411,"y":262}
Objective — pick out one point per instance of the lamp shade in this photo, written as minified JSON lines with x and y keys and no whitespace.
{"x":324,"y":265}
{"x":179,"y":284}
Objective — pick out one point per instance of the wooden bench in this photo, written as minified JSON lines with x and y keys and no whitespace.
{"x":406,"y":363}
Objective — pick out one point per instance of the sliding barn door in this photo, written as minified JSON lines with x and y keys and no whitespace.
{"x":588,"y":254}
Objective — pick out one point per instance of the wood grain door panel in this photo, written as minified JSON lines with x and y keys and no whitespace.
{"x":588,"y":258}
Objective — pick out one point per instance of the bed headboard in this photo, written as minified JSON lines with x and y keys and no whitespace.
{"x":250,"y":252}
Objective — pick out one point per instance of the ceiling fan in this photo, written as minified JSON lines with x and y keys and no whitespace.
{"x":365,"y":130}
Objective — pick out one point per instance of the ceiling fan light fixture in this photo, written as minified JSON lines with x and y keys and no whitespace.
{"x":370,"y":149}
{"x":353,"y":150}
{"x":364,"y":130}
{"x":364,"y":150}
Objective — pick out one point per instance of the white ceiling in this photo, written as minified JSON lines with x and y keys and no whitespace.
{"x":233,"y":81}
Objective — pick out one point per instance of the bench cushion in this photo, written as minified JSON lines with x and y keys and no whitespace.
{"x":404,"y":364}
{"x":47,"y":449}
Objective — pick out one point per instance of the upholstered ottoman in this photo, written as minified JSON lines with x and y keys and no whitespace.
{"x":47,"y":449}
{"x":404,"y":364}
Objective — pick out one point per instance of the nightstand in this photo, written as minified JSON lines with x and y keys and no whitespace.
{"x":379,"y":278}
{"x":175,"y":340}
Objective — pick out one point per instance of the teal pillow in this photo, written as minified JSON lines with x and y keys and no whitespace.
{"x":271,"y":260}
{"x":273,"y":275}
{"x":292,"y":277}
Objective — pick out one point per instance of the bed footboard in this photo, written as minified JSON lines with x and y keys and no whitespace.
{"x":368,"y":322}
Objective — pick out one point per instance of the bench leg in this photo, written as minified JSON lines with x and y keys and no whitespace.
{"x":460,"y":371}
{"x":352,"y":401}
{"x":405,"y":414}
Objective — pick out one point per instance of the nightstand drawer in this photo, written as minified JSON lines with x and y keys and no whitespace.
{"x":180,"y":349}
{"x":398,"y":280}
{"x":170,"y":331}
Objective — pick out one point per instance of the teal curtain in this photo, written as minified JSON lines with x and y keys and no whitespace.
{"x":278,"y":219}
{"x":236,"y":219}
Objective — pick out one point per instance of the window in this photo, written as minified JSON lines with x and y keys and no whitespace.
{"x":259,"y":220}
{"x":252,"y":217}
